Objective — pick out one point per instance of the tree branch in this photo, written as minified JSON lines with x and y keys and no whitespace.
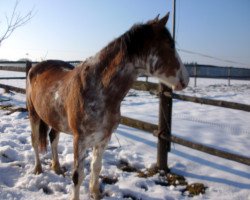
{"x":14,"y":21}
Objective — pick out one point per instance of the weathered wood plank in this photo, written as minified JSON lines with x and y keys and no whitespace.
{"x":224,"y":104}
{"x":11,"y":78}
{"x":165,"y":123}
{"x":145,"y":126}
{"x":210,"y":150}
{"x":13,"y":68}
{"x":12,"y":88}
{"x":145,"y":86}
{"x":151,"y":128}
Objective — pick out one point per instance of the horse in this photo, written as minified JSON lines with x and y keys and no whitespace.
{"x":85,"y":101}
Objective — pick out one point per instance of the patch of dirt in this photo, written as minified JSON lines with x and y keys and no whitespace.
{"x":195,"y":189}
{"x":175,"y":179}
{"x":125,"y":166}
{"x":168,"y":179}
{"x":165,"y":179}
{"x":109,"y":180}
{"x":148,"y":172}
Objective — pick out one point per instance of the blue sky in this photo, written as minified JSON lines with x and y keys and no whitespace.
{"x":74,"y":30}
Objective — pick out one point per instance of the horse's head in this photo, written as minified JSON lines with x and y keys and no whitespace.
{"x":155,"y":49}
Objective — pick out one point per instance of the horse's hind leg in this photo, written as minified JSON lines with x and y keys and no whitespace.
{"x":54,"y":139}
{"x":35,"y":126}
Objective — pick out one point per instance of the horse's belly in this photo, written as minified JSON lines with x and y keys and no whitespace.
{"x":54,"y":116}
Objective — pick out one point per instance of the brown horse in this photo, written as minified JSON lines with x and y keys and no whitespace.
{"x":85,"y":101}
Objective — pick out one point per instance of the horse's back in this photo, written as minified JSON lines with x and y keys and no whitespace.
{"x":51,"y":66}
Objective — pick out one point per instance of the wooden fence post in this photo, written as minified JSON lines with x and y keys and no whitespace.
{"x":228,"y":75}
{"x":195,"y":75}
{"x":165,"y":115}
{"x":28,"y":66}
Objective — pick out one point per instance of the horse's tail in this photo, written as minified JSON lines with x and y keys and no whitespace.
{"x":43,"y":132}
{"x":28,"y":67}
{"x":43,"y":127}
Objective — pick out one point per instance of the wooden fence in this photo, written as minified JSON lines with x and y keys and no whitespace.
{"x":163,"y":130}
{"x":210,"y":71}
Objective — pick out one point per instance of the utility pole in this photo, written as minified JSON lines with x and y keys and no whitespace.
{"x":165,"y":120}
{"x":174,"y":9}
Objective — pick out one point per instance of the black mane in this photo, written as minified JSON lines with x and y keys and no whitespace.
{"x":132,"y":43}
{"x":134,"y":39}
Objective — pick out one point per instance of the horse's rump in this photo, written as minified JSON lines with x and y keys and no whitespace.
{"x":45,"y":85}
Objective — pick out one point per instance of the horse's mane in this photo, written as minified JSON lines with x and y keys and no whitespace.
{"x":135,"y":38}
{"x":128,"y":44}
{"x":131,"y":43}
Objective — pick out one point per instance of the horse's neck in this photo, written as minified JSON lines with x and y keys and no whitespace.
{"x":115,"y":76}
{"x":119,"y":85}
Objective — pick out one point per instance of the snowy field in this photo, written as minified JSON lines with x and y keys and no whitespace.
{"x":222,"y":128}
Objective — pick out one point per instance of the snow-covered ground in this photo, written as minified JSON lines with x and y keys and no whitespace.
{"x":222,"y":128}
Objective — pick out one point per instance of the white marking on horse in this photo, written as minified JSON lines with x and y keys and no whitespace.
{"x":56,"y":95}
{"x":93,"y":59}
{"x":151,"y":61}
{"x":183,"y":74}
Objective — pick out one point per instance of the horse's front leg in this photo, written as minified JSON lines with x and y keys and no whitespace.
{"x":96,"y":166}
{"x":78,"y":174}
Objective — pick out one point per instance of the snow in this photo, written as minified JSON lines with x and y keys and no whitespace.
{"x":225,"y":129}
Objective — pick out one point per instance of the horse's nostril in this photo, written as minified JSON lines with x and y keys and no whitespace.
{"x":180,"y":86}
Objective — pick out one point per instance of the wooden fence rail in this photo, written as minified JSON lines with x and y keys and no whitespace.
{"x":219,"y":103}
{"x":13,"y":68}
{"x":12,"y":88}
{"x":12,"y":78}
{"x":153,"y":88}
{"x":153,"y":128}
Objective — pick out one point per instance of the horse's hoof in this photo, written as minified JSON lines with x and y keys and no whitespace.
{"x":96,"y":196}
{"x":73,"y":198}
{"x":38,"y":170}
{"x":59,"y":171}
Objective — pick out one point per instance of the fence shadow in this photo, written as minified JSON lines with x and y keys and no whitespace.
{"x":201,"y":161}
{"x":213,"y":179}
{"x":133,"y":136}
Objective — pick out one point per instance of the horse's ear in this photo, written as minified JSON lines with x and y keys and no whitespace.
{"x":163,"y":21}
{"x":155,"y":20}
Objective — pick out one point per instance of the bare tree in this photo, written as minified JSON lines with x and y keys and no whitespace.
{"x":14,"y":21}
